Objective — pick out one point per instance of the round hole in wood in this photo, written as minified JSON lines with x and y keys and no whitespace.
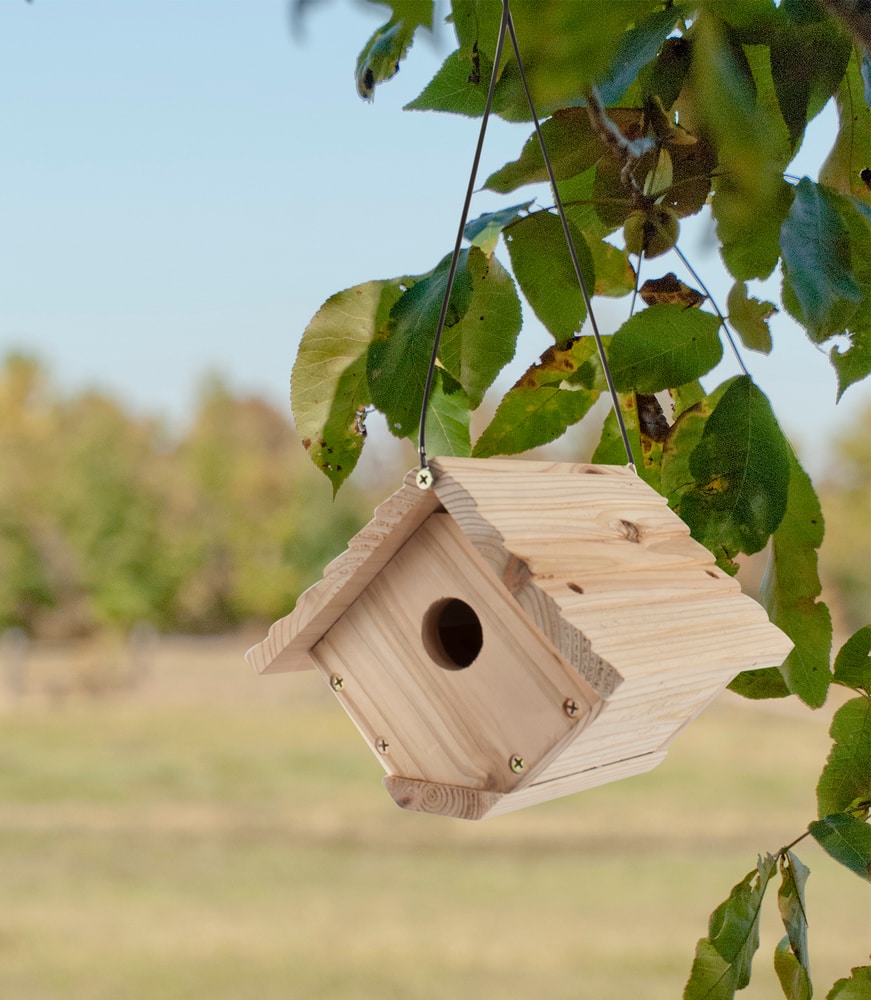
{"x":452,"y":634}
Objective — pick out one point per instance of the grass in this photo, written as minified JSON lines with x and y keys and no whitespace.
{"x":215,"y":834}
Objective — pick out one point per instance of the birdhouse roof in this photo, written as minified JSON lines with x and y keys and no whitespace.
{"x":594,"y":556}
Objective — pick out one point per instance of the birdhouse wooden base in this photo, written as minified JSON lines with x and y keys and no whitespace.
{"x":521,"y":631}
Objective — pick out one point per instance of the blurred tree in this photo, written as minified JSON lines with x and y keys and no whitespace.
{"x":847,"y":507}
{"x":253,"y":534}
{"x":106,"y":521}
{"x":26,"y":589}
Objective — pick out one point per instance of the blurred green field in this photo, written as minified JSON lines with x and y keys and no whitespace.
{"x":210,"y":833}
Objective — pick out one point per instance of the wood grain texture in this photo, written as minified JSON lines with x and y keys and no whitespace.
{"x":453,"y":727}
{"x":587,"y":587}
{"x":544,"y":791}
{"x":289,"y":640}
{"x":605,"y":564}
{"x":441,"y":800}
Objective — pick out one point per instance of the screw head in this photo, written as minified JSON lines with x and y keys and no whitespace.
{"x":571,"y":707}
{"x":337,"y":682}
{"x":517,"y":763}
{"x":425,"y":479}
{"x":381,"y":745}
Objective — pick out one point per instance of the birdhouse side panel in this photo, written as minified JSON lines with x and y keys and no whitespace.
{"x":671,"y":676}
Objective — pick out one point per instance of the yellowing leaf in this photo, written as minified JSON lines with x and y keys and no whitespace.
{"x":749,"y":318}
{"x":328,"y":387}
{"x":548,"y":398}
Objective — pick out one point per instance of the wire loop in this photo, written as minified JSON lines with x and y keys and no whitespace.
{"x":507,"y":25}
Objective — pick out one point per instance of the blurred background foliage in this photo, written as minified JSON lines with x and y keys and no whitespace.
{"x":109,"y":519}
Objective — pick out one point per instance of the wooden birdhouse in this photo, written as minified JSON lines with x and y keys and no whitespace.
{"x":521,"y":631}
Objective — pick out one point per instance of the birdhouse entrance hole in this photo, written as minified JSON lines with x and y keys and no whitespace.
{"x":452,"y":634}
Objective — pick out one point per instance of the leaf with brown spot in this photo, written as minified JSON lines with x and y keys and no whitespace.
{"x":547,"y":399}
{"x":670,"y":290}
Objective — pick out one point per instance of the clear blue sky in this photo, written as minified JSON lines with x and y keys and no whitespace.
{"x":184,"y":182}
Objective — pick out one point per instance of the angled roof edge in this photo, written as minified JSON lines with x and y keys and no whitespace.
{"x":394,"y":521}
{"x":456,"y":486}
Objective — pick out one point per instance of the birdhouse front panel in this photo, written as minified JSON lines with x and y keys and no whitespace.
{"x":446,"y":679}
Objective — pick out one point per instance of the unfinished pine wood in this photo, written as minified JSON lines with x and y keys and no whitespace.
{"x":451,"y":726}
{"x":289,"y":640}
{"x":544,"y":791}
{"x":588,"y":591}
{"x":441,"y":800}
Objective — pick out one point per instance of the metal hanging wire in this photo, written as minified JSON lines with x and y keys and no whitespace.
{"x":424,"y":478}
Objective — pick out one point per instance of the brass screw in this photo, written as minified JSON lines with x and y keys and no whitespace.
{"x":571,"y":707}
{"x":517,"y":763}
{"x":381,"y":745}
{"x":337,"y":682}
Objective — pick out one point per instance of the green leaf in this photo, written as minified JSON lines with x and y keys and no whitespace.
{"x":853,"y":662}
{"x":685,"y":396}
{"x":380,"y":58}
{"x":791,"y":587}
{"x":794,"y":978}
{"x":857,"y":987}
{"x":614,"y":272}
{"x":460,"y":86}
{"x":766,"y":682}
{"x":476,"y":24}
{"x":664,"y":346}
{"x":551,"y":396}
{"x":791,"y":903}
{"x":733,"y":938}
{"x":484,"y":232}
{"x":854,"y":364}
{"x":328,"y":386}
{"x":563,"y":55}
{"x":447,"y":418}
{"x":665,"y":77}
{"x":809,"y":54}
{"x":817,"y":261}
{"x":852,"y":150}
{"x":610,"y":449}
{"x":740,"y":475}
{"x":749,"y":250}
{"x":749,"y":318}
{"x":847,"y":840}
{"x":637,"y":47}
{"x":846,"y":779}
{"x":711,"y":977}
{"x":573,"y":146}
{"x":754,"y":16}
{"x":565,"y":52}
{"x":478,"y":346}
{"x":544,"y":270}
{"x":731,"y":90}
{"x":400,"y":351}
{"x":693,"y":409}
